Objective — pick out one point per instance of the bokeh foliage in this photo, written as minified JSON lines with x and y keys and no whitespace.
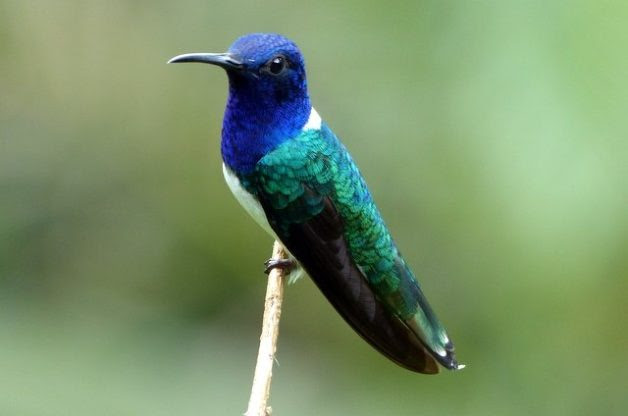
{"x":493,"y":136}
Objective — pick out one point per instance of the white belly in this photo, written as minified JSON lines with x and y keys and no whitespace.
{"x":255,"y":210}
{"x":247,"y":200}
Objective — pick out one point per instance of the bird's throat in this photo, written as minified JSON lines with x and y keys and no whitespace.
{"x":256,"y":122}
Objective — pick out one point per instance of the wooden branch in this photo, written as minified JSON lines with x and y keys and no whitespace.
{"x":260,"y":392}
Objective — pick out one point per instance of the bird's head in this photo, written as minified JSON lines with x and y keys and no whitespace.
{"x":268,"y":100}
{"x":264,"y":69}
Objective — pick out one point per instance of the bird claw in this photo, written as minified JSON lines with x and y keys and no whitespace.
{"x":285,"y":264}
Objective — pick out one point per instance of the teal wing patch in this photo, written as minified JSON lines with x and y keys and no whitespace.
{"x":318,"y":204}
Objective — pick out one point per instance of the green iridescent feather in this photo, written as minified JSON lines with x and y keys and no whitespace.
{"x":295,"y":178}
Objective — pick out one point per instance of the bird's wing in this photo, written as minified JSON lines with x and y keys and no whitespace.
{"x":297,"y":186}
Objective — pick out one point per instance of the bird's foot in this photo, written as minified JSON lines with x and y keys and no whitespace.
{"x":285,"y":264}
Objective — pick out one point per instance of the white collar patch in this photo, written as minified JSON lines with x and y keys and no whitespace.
{"x":314,"y":122}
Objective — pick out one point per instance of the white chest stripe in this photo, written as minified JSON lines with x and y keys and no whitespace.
{"x":255,"y":210}
{"x":248,"y":201}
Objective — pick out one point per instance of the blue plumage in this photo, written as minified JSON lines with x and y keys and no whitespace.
{"x":263,"y":109}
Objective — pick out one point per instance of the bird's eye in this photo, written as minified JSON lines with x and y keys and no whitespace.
{"x":276,"y":65}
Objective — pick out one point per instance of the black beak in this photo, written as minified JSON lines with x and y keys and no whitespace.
{"x":225,"y":60}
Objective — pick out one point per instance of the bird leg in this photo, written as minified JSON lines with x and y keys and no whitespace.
{"x":285,"y":264}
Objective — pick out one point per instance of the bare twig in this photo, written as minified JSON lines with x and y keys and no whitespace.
{"x":260,"y":392}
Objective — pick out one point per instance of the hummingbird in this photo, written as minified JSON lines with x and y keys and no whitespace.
{"x":298,"y":181}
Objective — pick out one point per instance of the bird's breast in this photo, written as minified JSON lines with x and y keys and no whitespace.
{"x":251,"y":205}
{"x":248,"y":201}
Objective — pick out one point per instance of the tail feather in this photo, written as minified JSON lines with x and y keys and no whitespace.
{"x":423,"y":321}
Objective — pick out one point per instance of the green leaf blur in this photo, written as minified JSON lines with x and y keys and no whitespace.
{"x":493,"y":136}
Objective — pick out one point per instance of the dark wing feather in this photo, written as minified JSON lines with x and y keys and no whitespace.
{"x":318,"y":243}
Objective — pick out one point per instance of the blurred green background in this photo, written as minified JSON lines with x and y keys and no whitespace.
{"x":493,"y":136}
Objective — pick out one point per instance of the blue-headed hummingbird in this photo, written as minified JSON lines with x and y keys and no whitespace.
{"x":294,"y":176}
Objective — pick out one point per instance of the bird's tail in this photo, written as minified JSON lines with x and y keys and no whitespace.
{"x":422,"y":320}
